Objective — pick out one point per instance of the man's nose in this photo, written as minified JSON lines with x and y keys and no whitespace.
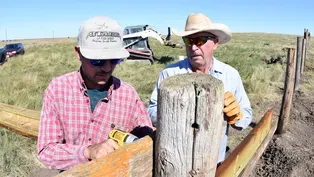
{"x":107,"y":66}
{"x":193,"y":47}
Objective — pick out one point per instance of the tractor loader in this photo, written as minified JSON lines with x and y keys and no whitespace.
{"x":135,"y":40}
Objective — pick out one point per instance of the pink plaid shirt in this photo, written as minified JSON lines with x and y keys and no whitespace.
{"x":68,"y":126}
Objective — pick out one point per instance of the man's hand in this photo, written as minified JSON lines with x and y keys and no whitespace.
{"x":99,"y":150}
{"x":232,"y":108}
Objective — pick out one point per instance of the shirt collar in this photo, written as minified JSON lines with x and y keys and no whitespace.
{"x":114,"y":83}
{"x":216,"y":67}
{"x":81,"y":81}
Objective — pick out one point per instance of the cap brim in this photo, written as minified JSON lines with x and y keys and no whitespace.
{"x":104,"y":54}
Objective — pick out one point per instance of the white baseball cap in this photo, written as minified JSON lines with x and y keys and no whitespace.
{"x":101,"y":38}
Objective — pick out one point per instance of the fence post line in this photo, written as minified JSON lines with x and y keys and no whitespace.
{"x":303,"y":55}
{"x":305,"y":46}
{"x":308,"y":37}
{"x":190,"y":126}
{"x":288,"y":92}
{"x":307,"y":40}
{"x":298,"y":63}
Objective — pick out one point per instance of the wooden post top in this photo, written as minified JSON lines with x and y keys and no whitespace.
{"x":190,"y":125}
{"x":178,"y":81}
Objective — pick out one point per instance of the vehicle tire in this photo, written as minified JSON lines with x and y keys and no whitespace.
{"x":152,"y":60}
{"x":22,"y":53}
{"x":2,"y":59}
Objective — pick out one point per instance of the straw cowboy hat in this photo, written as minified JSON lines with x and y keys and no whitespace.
{"x":200,"y":23}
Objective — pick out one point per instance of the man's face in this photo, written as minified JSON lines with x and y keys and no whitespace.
{"x":96,"y":73}
{"x":200,"y":48}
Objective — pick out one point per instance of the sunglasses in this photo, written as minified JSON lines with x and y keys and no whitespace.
{"x":198,"y":41}
{"x":102,"y":62}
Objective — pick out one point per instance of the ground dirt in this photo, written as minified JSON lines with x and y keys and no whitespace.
{"x":292,"y":153}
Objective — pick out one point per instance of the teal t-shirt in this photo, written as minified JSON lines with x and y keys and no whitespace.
{"x":96,"y":95}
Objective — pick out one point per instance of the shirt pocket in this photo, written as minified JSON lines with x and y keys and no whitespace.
{"x":74,"y":117}
{"x":73,"y":131}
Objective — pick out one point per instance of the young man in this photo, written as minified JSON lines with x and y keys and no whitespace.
{"x":81,"y":108}
{"x":201,"y":37}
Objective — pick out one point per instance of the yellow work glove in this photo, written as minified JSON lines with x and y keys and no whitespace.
{"x":232,"y":108}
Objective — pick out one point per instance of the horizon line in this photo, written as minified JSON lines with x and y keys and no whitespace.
{"x":62,"y":37}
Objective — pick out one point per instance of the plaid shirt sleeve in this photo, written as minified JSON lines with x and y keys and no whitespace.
{"x":51,"y":150}
{"x":142,"y":117}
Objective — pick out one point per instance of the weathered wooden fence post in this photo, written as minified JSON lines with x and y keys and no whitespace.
{"x":308,"y":35}
{"x":190,"y":126}
{"x":305,"y":46}
{"x":288,"y":92}
{"x":303,"y":56}
{"x":298,"y":63}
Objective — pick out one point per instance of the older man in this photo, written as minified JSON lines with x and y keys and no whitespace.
{"x":201,"y":37}
{"x":82,"y":107}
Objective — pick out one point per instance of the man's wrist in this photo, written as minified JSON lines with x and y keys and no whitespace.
{"x":87,"y":153}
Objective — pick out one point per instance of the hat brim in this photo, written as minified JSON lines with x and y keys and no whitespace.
{"x":104,"y":54}
{"x":222,"y":32}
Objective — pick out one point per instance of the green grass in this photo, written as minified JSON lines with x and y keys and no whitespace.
{"x":24,"y":78}
{"x":17,"y":154}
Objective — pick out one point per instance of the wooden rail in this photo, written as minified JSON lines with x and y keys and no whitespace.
{"x":135,"y":159}
{"x":23,"y":121}
{"x":241,"y":155}
{"x":251,"y":164}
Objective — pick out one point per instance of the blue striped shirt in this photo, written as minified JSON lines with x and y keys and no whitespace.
{"x":232,"y":82}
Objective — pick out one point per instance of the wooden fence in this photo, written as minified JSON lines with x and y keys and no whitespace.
{"x":303,"y":44}
{"x":296,"y":60}
{"x":187,"y":138}
{"x":189,"y":131}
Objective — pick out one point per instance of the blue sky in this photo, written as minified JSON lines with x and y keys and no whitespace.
{"x":38,"y":19}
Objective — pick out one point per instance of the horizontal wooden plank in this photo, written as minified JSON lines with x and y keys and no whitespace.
{"x":20,"y":111}
{"x":132,"y":160}
{"x":23,"y":121}
{"x":240,"y":156}
{"x":251,"y":165}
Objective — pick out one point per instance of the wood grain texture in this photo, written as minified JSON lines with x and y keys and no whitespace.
{"x":298,"y":63}
{"x":23,"y":121}
{"x":253,"y":161}
{"x":190,"y":125}
{"x":303,"y":56}
{"x":132,"y":160}
{"x":241,"y":155}
{"x":288,"y":92}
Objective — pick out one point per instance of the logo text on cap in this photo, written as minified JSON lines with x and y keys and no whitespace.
{"x":103,"y":36}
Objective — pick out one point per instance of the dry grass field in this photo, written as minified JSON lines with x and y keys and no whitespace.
{"x":24,"y":79}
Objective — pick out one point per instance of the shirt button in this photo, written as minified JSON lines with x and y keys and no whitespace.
{"x":92,"y":120}
{"x":87,"y":101}
{"x":89,"y":139}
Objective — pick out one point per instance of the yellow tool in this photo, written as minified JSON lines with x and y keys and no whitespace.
{"x":121,"y":137}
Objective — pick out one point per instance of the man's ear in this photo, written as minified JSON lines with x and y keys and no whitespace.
{"x":216,"y":41}
{"x":77,"y":52}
